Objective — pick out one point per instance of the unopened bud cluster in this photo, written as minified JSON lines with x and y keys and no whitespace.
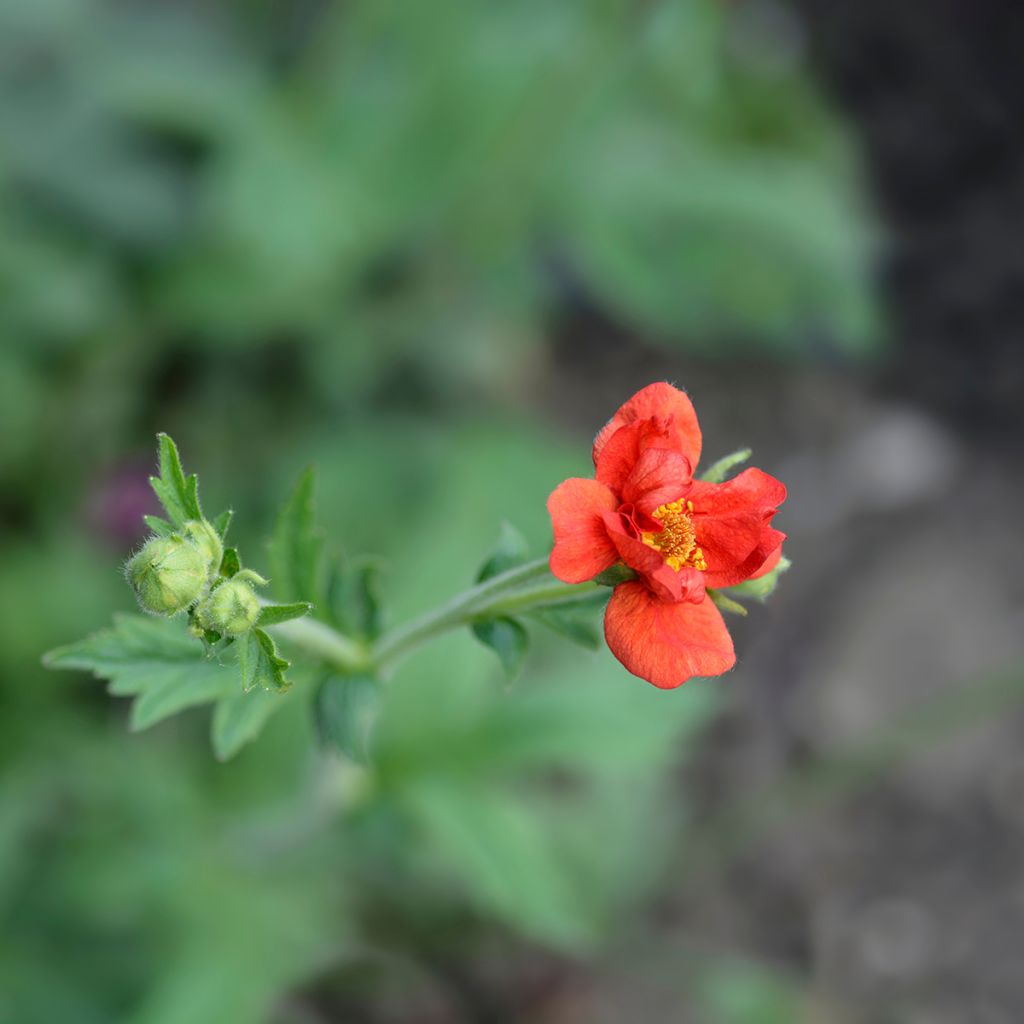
{"x":181,"y":572}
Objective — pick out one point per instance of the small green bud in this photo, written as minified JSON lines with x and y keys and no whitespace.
{"x":206,"y":539}
{"x":232,"y":608}
{"x":168,"y":574}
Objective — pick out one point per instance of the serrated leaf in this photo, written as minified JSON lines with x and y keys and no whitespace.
{"x":295,"y":545}
{"x":177,"y":493}
{"x":159,"y":526}
{"x":345,"y":712}
{"x":223,"y":521}
{"x":764,"y":586}
{"x":239,"y":719}
{"x":153,"y":660}
{"x":259,"y":663}
{"x":510,"y":551}
{"x":272,"y":614}
{"x":573,"y":626}
{"x":230,"y":563}
{"x":352,"y":602}
{"x":726,"y":603}
{"x":715,"y":473}
{"x":507,"y":638}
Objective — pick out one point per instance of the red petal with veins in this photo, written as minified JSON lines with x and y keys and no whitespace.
{"x":732,"y":524}
{"x":627,"y":446}
{"x":663,"y":401}
{"x":666,"y":644}
{"x":582,"y":546}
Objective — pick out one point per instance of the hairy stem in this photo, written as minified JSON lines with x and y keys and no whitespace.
{"x":510,"y":593}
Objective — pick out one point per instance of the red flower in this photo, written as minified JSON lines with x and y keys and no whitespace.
{"x":678,"y":534}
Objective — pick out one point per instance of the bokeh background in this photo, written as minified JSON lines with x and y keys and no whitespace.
{"x":430,"y":248}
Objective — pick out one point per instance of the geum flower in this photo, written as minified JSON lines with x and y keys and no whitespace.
{"x":681,"y":536}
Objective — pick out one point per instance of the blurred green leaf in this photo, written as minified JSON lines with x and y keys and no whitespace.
{"x":511,"y":550}
{"x":717,"y":471}
{"x":296,"y":545}
{"x":153,"y":660}
{"x":764,"y":586}
{"x":508,"y":639}
{"x":575,"y":626}
{"x":345,"y":712}
{"x":239,"y":719}
{"x":352,"y":601}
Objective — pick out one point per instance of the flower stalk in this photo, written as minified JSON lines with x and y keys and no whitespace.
{"x":518,"y":590}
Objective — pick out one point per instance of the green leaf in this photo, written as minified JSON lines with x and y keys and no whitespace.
{"x":727,"y":604}
{"x":177,"y":493}
{"x":223,"y":521}
{"x":230,"y":563}
{"x":614,"y":575}
{"x":764,"y":586}
{"x":153,"y":660}
{"x":295,"y":546}
{"x":239,"y":719}
{"x":716,"y":472}
{"x":505,"y":855}
{"x":261,"y":666}
{"x":352,"y":601}
{"x":507,"y":638}
{"x":572,"y":625}
{"x":345,"y":712}
{"x":159,"y":526}
{"x":272,"y":614}
{"x":510,"y":551}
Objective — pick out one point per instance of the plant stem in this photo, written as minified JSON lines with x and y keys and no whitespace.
{"x":513,"y":592}
{"x":325,"y":644}
{"x":458,"y":611}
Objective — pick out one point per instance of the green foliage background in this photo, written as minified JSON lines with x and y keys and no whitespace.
{"x":341,"y":234}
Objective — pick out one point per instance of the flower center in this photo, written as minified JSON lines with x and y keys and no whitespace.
{"x":677,"y":540}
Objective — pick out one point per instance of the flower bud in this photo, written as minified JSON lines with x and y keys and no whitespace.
{"x":232,"y":608}
{"x":168,"y":574}
{"x":206,"y":539}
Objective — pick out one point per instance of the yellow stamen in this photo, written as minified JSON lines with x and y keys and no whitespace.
{"x":677,"y":540}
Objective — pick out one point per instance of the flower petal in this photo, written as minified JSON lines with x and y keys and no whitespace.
{"x":660,"y":400}
{"x":658,"y":477}
{"x":770,"y":562}
{"x":582,"y":546}
{"x":732,"y":524}
{"x":669,"y":584}
{"x":666,"y":644}
{"x":626,"y":448}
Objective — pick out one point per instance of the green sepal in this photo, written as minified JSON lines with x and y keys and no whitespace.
{"x":159,"y":526}
{"x":345,"y":712}
{"x":230,"y":563}
{"x":570,"y":625}
{"x":715,"y":473}
{"x":764,"y":586}
{"x":272,"y":614}
{"x":353,"y":604}
{"x":259,"y":663}
{"x":223,"y":521}
{"x":296,"y":545}
{"x":507,"y":638}
{"x":178,"y":494}
{"x":727,"y":604}
{"x":616,"y":574}
{"x":511,"y":550}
